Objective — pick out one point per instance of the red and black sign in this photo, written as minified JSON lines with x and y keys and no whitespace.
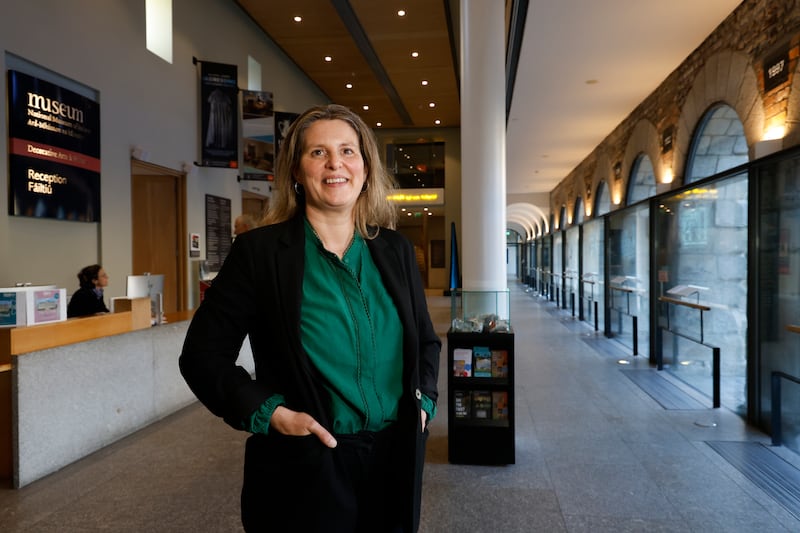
{"x":54,"y":151}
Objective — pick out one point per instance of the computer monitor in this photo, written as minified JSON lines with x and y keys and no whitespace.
{"x":138,"y":287}
{"x":152,"y":286}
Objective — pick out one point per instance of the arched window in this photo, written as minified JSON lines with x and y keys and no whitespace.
{"x":578,"y":213}
{"x":718,"y":145}
{"x":603,"y":201}
{"x":642,"y":183}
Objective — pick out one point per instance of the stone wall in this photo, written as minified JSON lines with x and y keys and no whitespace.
{"x":726,"y":68}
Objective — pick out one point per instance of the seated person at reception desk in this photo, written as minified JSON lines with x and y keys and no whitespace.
{"x":88,"y":299}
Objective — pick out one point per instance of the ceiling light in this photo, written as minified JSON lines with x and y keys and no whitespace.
{"x":328,"y":59}
{"x":432,"y":105}
{"x":298,"y":19}
{"x":365,"y":107}
{"x":379,"y":124}
{"x":424,"y":82}
{"x":348,"y":85}
{"x":437,"y":121}
{"x":401,"y":13}
{"x":414,"y":54}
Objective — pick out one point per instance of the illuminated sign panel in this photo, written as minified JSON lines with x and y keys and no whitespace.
{"x":54,"y":151}
{"x":417,"y":197}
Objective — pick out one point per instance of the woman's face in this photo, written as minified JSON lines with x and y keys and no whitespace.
{"x":331,"y":168}
{"x":102,"y":279}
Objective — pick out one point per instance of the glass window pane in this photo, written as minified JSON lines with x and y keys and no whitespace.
{"x":778,"y":303}
{"x":701,"y":256}
{"x":629,"y":275}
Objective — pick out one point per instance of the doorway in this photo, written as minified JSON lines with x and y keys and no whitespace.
{"x":158,"y":216}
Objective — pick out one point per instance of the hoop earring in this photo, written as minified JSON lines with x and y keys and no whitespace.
{"x":298,"y":189}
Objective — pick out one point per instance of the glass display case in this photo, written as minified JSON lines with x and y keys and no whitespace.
{"x":480,"y":311}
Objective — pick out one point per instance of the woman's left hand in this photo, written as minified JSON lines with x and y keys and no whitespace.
{"x":423,"y":418}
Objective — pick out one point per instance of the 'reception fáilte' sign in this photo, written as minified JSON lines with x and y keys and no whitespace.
{"x":54,"y":151}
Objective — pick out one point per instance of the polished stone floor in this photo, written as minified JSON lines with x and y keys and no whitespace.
{"x":594,"y":453}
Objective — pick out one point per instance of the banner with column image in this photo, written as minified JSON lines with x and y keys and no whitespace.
{"x":219,"y":101}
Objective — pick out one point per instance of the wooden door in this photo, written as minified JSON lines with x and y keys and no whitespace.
{"x":157,"y":201}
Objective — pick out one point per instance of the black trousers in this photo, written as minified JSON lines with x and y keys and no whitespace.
{"x":296,"y":484}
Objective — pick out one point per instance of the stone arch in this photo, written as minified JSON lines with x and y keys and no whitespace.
{"x":641,"y":180}
{"x":601,"y":172}
{"x":644,"y":140}
{"x":578,"y":212}
{"x":602,"y":202}
{"x":728,"y":77}
{"x":793,"y":110}
{"x":718,"y":144}
{"x":529,"y":216}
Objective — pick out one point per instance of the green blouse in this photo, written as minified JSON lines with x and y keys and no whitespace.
{"x":351,"y":332}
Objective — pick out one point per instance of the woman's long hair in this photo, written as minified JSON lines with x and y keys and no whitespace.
{"x":372,"y":210}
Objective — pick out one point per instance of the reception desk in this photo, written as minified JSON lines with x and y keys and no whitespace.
{"x":71,"y":388}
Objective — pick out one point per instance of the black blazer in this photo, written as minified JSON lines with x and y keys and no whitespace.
{"x":258,"y":293}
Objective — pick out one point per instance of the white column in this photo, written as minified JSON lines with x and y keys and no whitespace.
{"x":483,"y":146}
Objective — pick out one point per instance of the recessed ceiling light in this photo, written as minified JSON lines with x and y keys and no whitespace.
{"x":432,"y":105}
{"x":298,"y":19}
{"x":379,"y":124}
{"x":414,"y":54}
{"x":401,"y":13}
{"x":424,"y":82}
{"x":437,"y":121}
{"x":348,"y":85}
{"x":365,"y":107}
{"x":328,"y":59}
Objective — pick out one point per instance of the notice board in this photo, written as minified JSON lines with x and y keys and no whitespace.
{"x":218,"y":231}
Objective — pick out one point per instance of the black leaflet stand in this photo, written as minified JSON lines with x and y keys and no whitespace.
{"x":480,"y":420}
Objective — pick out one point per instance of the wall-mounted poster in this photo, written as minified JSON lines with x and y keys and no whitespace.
{"x":54,"y":151}
{"x":219,"y":115}
{"x":258,"y":130}
{"x":282,"y":122}
{"x":218,"y":231}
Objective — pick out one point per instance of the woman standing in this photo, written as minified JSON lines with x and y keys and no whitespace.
{"x":345,"y":354}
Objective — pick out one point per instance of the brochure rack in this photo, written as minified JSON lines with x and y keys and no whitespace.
{"x":480,"y":392}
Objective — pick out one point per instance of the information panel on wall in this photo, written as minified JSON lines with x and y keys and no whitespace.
{"x":54,"y":151}
{"x":218,"y":231}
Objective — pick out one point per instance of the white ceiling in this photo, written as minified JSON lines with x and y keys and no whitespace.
{"x":628,"y":46}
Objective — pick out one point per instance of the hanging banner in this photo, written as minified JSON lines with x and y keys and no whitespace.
{"x":258,"y":132}
{"x":219,"y":115}
{"x":54,"y":151}
{"x":282,"y":122}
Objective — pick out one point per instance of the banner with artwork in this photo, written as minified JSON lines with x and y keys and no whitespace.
{"x":258,"y":132}
{"x":219,"y":101}
{"x":54,"y":151}
{"x":282,"y":122}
